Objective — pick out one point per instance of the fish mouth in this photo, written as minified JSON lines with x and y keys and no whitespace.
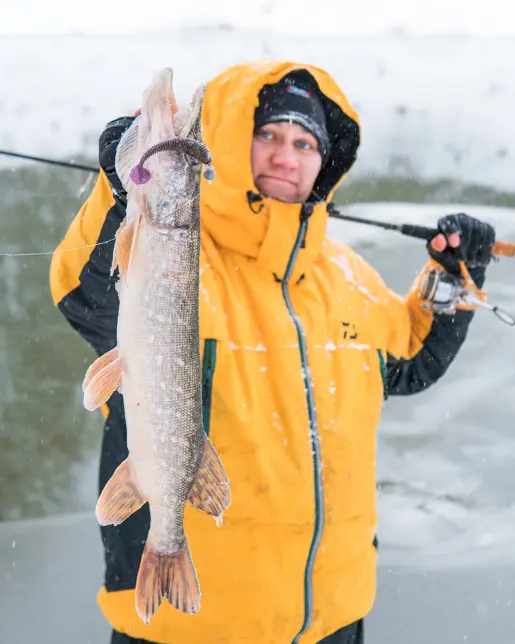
{"x":190,"y":147}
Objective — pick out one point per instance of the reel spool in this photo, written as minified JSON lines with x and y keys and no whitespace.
{"x":445,"y":294}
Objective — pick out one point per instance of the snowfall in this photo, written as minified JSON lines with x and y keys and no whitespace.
{"x":431,"y":108}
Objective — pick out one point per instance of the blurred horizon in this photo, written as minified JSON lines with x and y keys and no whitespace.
{"x":425,"y":17}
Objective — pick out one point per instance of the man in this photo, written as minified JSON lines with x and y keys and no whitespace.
{"x":300,"y":342}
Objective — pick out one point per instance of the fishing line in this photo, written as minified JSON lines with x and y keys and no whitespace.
{"x":52,"y":252}
{"x":71,"y":250}
{"x":92,"y":172}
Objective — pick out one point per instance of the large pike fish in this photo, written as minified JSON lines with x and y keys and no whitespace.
{"x":156,"y":363}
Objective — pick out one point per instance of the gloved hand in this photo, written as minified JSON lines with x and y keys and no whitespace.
{"x":107,"y":145}
{"x":462,"y":237}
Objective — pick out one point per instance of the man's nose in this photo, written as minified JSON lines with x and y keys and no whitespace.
{"x":285,"y":157}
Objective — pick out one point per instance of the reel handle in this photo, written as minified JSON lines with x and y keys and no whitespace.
{"x":504,"y":248}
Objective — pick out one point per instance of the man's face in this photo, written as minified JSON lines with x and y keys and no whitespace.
{"x":285,"y":161}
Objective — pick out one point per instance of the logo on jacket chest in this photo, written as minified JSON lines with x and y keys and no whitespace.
{"x":349,"y":331}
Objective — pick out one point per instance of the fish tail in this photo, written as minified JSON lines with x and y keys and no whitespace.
{"x":167,"y":575}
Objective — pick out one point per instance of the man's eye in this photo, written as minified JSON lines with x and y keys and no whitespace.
{"x":304,"y":145}
{"x":265,"y":135}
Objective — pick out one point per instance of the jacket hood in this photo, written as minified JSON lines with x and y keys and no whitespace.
{"x":234,"y":214}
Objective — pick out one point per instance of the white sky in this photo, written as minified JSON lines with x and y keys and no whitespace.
{"x":296,"y":16}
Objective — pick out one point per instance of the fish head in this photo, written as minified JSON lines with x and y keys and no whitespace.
{"x":160,"y":158}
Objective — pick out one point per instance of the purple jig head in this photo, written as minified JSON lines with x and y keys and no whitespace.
{"x":195,"y":149}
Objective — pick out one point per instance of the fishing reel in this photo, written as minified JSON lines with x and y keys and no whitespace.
{"x":445,"y":293}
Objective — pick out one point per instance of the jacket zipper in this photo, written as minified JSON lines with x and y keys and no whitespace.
{"x":208,"y":370}
{"x":306,"y":211}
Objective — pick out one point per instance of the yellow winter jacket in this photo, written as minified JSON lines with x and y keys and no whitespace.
{"x":294,"y":329}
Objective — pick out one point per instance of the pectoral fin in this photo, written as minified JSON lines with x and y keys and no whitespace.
{"x":211,"y":491}
{"x":123,"y":246}
{"x":98,"y":365}
{"x":102,"y":379}
{"x":120,"y":497}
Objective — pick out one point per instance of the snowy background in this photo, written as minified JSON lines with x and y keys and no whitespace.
{"x":433,"y":83}
{"x":431,"y":106}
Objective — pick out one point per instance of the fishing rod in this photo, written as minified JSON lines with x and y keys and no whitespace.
{"x":502,"y":248}
{"x":439,"y":291}
{"x":63,"y":164}
{"x":505,"y":249}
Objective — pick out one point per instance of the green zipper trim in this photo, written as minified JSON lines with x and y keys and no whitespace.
{"x":208,"y":370}
{"x":315,"y":446}
{"x":384,"y":373}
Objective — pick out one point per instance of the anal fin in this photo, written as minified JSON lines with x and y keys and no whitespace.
{"x":211,"y":491}
{"x":120,"y":497}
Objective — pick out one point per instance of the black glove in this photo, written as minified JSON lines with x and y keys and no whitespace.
{"x":477,"y":240}
{"x":107,"y":146}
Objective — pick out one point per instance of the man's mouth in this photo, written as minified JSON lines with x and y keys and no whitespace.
{"x":270,"y":177}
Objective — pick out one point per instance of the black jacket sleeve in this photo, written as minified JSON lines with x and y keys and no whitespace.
{"x":92,"y":307}
{"x":444,"y":340}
